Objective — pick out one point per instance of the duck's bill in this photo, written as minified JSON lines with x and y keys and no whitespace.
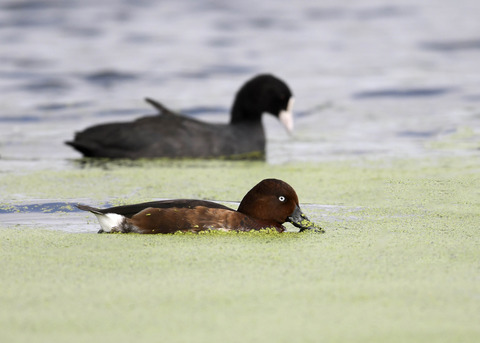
{"x":300,"y":220}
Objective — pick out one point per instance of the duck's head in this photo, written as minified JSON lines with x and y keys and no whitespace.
{"x":276,"y":202}
{"x":264,"y":93}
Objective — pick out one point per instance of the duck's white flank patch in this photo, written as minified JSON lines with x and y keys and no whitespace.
{"x":286,"y":116}
{"x":109,"y":220}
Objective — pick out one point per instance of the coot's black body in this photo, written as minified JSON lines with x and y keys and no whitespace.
{"x":173,"y":135}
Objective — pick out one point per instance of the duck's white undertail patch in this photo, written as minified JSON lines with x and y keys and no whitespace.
{"x":286,"y":116}
{"x":109,"y":221}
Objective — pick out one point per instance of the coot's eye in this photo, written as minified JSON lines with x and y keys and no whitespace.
{"x":281,"y":198}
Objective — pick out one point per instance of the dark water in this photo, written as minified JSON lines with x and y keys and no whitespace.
{"x":371,"y":78}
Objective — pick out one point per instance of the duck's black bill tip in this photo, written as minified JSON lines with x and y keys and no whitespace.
{"x":300,"y":220}
{"x":313,"y":229}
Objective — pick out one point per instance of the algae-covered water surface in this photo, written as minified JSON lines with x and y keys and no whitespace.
{"x":399,"y":260}
{"x":384,"y":156}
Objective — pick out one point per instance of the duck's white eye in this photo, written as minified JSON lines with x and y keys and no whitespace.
{"x":281,"y":198}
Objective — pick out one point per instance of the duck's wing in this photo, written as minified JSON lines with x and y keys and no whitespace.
{"x":130,"y":210}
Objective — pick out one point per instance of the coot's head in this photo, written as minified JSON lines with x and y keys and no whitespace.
{"x":263,"y":93}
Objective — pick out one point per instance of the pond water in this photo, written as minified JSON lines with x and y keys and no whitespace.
{"x":371,"y":78}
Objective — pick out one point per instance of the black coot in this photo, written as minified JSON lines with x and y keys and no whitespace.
{"x":173,"y":135}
